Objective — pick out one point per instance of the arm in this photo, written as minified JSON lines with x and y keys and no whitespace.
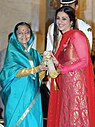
{"x":90,"y":38}
{"x":80,"y":43}
{"x":27,"y":71}
{"x":87,"y":30}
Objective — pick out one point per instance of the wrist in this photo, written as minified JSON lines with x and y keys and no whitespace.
{"x":35,"y":70}
{"x":39,"y":68}
{"x":59,"y":66}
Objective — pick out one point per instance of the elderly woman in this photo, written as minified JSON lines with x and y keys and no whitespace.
{"x":20,"y":81}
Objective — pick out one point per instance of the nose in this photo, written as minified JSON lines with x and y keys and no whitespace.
{"x":23,"y":34}
{"x":60,"y":21}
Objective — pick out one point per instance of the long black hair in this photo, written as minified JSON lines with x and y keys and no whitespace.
{"x":71,"y":13}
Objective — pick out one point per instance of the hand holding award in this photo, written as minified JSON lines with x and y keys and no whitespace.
{"x":47,"y":59}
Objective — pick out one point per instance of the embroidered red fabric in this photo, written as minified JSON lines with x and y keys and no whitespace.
{"x":73,"y":104}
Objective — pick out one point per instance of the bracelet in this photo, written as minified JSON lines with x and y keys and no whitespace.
{"x":35,"y":70}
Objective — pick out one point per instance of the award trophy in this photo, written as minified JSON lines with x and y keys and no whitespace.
{"x":51,"y":68}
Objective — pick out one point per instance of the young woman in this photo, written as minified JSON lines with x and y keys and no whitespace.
{"x":73,"y":103}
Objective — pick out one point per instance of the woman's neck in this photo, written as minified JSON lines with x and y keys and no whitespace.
{"x":66,"y":30}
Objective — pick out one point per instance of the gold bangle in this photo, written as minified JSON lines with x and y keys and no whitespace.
{"x":35,"y":70}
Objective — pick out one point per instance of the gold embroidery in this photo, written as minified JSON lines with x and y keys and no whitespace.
{"x":74,"y":93}
{"x":42,"y":75}
{"x":27,"y":71}
{"x":55,"y":85}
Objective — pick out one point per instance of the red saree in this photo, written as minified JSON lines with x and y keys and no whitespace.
{"x":73,"y":105}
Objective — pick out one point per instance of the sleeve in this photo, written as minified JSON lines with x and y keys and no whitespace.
{"x":27,"y":71}
{"x":90,"y":38}
{"x":79,"y":41}
{"x":49,"y":46}
{"x":87,"y":30}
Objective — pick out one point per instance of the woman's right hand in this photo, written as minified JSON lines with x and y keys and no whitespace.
{"x":46,"y":56}
{"x":42,"y":67}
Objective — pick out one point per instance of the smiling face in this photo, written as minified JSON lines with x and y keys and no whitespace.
{"x":23,"y":35}
{"x":63,"y":21}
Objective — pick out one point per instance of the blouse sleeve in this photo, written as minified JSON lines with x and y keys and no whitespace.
{"x":80,"y":44}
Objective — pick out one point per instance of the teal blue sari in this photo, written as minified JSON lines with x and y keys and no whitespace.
{"x":18,"y":93}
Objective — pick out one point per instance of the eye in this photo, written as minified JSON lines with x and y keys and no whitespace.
{"x":19,"y":33}
{"x":57,"y":18}
{"x":27,"y":32}
{"x":63,"y":18}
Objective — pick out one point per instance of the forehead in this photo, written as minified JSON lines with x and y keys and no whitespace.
{"x":23,"y":27}
{"x":62,"y":14}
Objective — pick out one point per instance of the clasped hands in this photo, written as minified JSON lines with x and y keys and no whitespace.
{"x":49,"y":62}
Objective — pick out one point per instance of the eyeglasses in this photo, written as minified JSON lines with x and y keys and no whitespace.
{"x":23,"y":33}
